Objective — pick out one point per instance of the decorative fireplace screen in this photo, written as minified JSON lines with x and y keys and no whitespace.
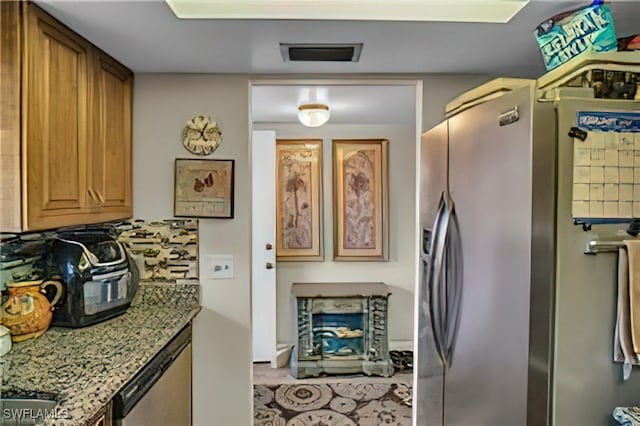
{"x":341,"y":329}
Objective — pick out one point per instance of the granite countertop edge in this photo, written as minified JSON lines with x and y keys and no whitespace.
{"x":83,"y":369}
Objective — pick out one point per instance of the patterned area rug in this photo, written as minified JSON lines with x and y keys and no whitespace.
{"x":333,"y":404}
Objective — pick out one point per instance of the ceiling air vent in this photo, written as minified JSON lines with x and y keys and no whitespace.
{"x":292,"y":52}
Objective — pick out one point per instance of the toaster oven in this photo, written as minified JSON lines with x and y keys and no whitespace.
{"x":98,"y":276}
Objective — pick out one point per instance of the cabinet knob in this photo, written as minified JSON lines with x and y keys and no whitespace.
{"x":270,"y":265}
{"x":268,"y":246}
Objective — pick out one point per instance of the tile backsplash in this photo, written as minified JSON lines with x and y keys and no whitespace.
{"x":20,"y":256}
{"x":164,"y":251}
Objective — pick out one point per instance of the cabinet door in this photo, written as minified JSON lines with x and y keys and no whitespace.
{"x":110,"y":144}
{"x":55,"y":123}
{"x":10,"y":95}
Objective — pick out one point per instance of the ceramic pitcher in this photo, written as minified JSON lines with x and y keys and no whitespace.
{"x":27,"y":312}
{"x":5,"y":340}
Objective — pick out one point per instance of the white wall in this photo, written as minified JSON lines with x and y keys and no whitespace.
{"x":222,"y":339}
{"x":222,"y":336}
{"x":398,"y":272}
{"x":438,"y":90}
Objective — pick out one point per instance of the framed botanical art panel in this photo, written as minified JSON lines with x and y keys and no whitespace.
{"x":203,"y":188}
{"x":360,"y":198}
{"x":299,"y":200}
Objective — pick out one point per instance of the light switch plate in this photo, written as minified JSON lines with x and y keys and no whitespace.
{"x":218,"y":266}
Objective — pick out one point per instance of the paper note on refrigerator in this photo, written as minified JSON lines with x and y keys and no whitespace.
{"x":606,"y":166}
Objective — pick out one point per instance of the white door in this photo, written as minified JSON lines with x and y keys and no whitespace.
{"x":263,"y":234}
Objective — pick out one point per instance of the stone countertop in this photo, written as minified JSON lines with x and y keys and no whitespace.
{"x":84,"y":368}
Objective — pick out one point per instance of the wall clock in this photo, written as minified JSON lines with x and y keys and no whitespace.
{"x":201,"y":135}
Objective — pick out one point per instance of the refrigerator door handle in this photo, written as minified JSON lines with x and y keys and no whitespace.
{"x":453,"y":284}
{"x":437,"y":291}
{"x":428,"y":278}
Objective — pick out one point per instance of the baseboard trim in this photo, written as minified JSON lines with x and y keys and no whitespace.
{"x":401,"y":345}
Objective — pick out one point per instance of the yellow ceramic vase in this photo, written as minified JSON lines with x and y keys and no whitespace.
{"x":27,"y":312}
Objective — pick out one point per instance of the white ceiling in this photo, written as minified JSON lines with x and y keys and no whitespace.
{"x":147,"y":37}
{"x":349,"y":104}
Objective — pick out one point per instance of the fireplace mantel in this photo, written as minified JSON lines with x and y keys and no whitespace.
{"x":334,"y":289}
{"x":341,"y":329}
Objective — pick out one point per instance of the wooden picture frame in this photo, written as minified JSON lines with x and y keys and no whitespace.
{"x":204,"y":188}
{"x":299,"y":200}
{"x":360,"y":200}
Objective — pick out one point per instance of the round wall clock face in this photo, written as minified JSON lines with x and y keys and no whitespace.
{"x":201,"y":135}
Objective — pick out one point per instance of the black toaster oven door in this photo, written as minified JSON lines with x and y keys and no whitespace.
{"x":106,"y":291}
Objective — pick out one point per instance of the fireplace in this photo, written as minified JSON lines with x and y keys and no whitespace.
{"x":341,"y":329}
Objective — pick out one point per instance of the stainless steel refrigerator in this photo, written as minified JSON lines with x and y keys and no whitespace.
{"x":515,"y":321}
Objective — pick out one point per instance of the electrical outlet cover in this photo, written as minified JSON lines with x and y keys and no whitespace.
{"x":218,"y":266}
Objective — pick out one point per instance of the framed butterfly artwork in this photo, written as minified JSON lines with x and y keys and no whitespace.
{"x":203,"y":188}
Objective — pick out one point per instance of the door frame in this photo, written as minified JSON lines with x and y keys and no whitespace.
{"x":327,"y":81}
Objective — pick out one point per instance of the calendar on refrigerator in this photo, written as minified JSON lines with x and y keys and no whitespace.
{"x":606,"y":166}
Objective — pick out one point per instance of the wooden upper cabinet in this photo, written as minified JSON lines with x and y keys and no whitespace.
{"x":56,"y":95}
{"x":110,"y":148}
{"x":70,"y":157}
{"x":10,"y":114}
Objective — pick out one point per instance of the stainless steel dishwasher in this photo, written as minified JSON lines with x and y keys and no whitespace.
{"x":160,"y":394}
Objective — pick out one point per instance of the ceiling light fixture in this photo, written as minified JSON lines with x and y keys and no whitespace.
{"x":496,"y":11}
{"x":313,"y":115}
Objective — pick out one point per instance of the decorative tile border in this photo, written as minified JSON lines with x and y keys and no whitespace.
{"x":164,"y":250}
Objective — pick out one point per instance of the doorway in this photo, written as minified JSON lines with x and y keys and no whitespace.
{"x":359,"y":109}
